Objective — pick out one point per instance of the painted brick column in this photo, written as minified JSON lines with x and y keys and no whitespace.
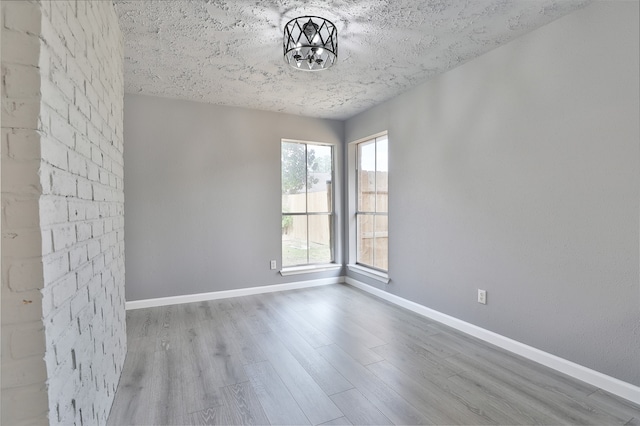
{"x":62,"y":211}
{"x":81,"y":176}
{"x":24,"y":374}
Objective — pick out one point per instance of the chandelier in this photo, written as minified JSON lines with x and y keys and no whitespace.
{"x":310,"y":43}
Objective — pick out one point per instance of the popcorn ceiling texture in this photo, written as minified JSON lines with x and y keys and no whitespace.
{"x":63,"y":316}
{"x":230,"y":52}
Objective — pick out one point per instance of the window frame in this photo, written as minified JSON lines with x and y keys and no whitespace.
{"x":353,"y":165}
{"x":373,"y":213}
{"x":331,"y":214}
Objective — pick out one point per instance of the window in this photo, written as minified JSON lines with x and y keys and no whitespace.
{"x":307,"y":203}
{"x":372,"y":221}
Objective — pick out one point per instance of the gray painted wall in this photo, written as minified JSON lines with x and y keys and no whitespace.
{"x":202,"y":199}
{"x":518,"y":172}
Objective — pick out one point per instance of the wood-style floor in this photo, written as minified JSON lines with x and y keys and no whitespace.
{"x":334,"y":355}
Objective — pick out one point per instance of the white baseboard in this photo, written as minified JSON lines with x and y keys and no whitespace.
{"x":595,"y":378}
{"x":199,"y":297}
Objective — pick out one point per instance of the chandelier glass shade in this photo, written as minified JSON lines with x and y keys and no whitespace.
{"x":310,"y":43}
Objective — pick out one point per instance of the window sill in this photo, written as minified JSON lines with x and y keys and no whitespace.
{"x":309,"y":269}
{"x":383,"y":277}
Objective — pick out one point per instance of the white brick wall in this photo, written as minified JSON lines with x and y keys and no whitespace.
{"x":63,"y":329}
{"x":24,"y":374}
{"x":81,"y":177}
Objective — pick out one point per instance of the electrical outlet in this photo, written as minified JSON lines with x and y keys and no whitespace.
{"x":274,"y":264}
{"x":482,"y":296}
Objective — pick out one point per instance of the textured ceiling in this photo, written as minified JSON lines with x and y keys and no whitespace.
{"x":230,"y":52}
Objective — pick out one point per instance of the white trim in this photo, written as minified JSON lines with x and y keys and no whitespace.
{"x":309,"y":269}
{"x":366,"y":138}
{"x":307,"y":142}
{"x":610,"y":384}
{"x":199,"y":297}
{"x":383,"y":277}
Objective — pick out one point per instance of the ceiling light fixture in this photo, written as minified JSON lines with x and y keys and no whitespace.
{"x":310,"y":43}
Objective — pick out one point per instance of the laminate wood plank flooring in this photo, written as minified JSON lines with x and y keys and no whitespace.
{"x":169,"y":388}
{"x":241,"y":407}
{"x":307,"y":331}
{"x":314,"y":364}
{"x":274,"y":396}
{"x":392,"y":405}
{"x":313,"y":401}
{"x":334,"y":355}
{"x":439,"y":407}
{"x":342,"y":421}
{"x":359,"y":409}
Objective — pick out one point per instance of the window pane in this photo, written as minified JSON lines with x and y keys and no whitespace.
{"x":294,"y":240}
{"x":382,"y":175}
{"x":372,"y":241}
{"x":381,"y":243}
{"x":319,"y":178}
{"x":365,"y":223}
{"x":307,"y":187}
{"x":294,"y":177}
{"x":320,"y":239}
{"x":366,"y":176}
